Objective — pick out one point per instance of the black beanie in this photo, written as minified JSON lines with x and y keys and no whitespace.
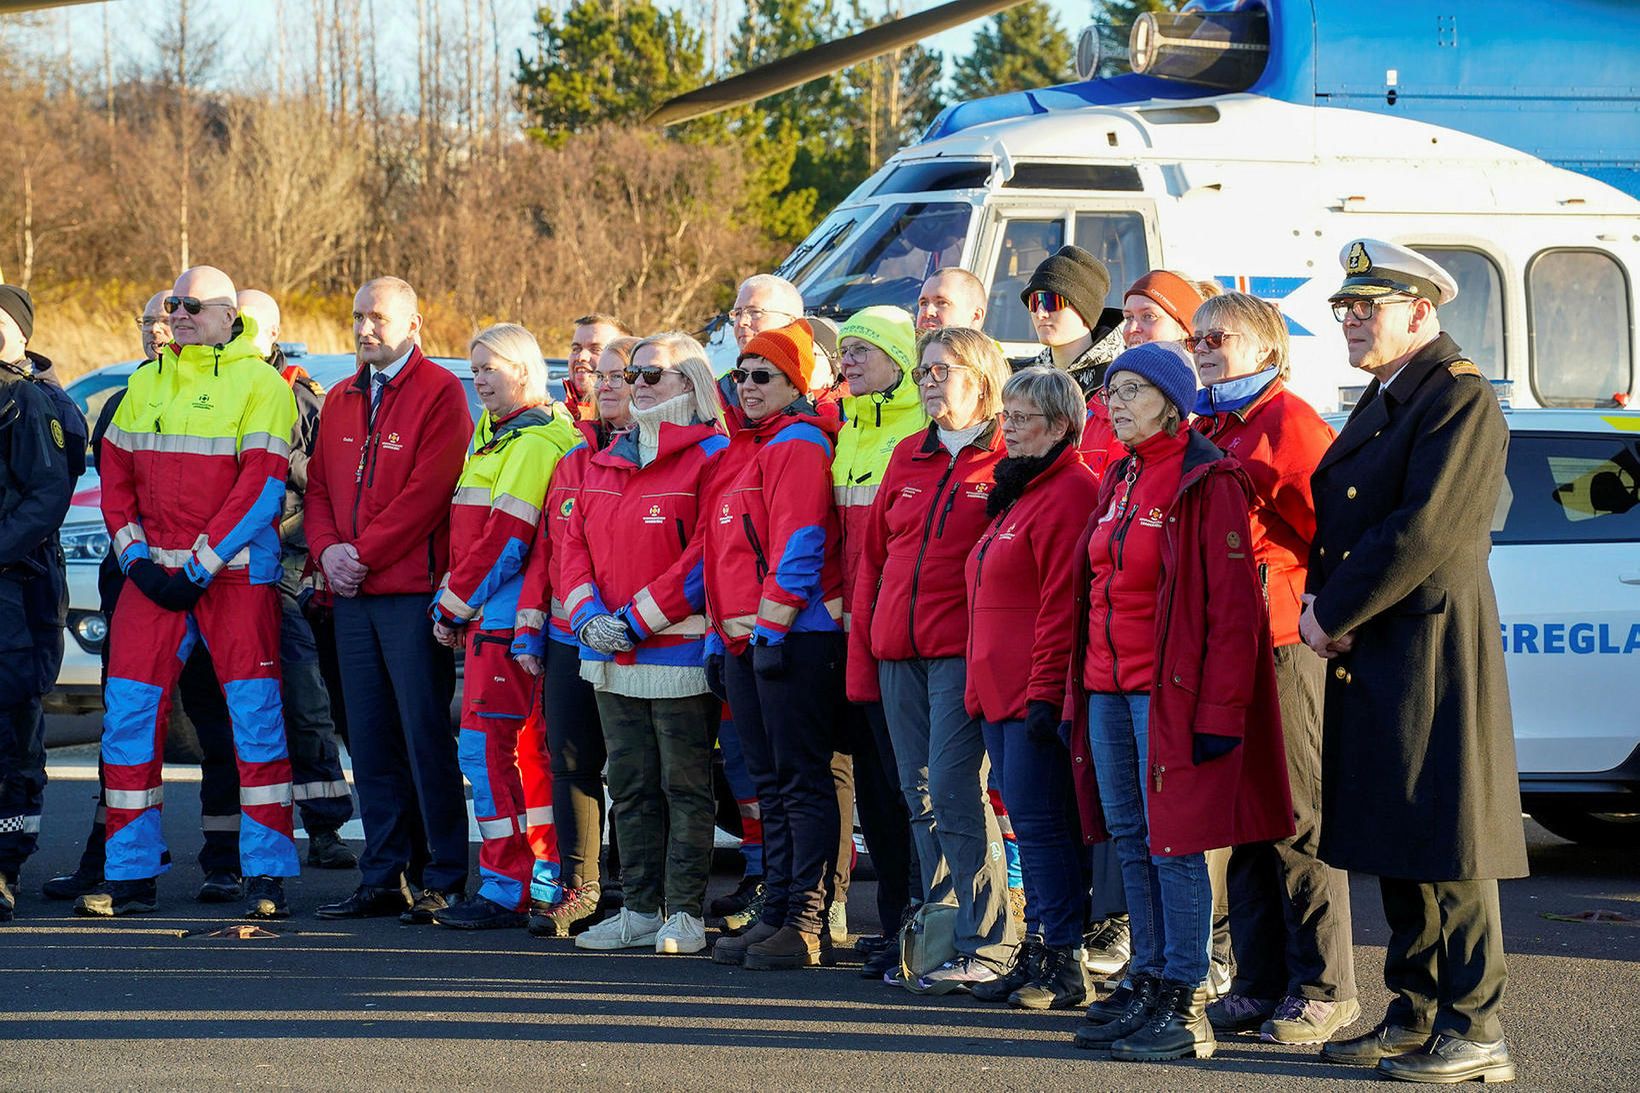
{"x":1076,"y":275}
{"x":17,"y":303}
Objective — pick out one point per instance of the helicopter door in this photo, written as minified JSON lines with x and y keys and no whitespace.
{"x":1021,"y":238}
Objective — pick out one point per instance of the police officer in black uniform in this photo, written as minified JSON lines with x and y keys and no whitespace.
{"x":36,"y":482}
{"x":1419,"y":784}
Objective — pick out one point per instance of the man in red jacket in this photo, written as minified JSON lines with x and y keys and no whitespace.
{"x":385,"y":463}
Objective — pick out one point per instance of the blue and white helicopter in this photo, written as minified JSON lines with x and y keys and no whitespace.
{"x":1251,"y":140}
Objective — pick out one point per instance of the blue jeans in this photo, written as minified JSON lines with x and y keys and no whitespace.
{"x":1170,"y":900}
{"x":1035,"y":779}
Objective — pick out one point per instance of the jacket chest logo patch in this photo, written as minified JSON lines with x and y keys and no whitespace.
{"x":57,"y":433}
{"x":392,"y":442}
{"x":1232,"y":540}
{"x":1152,"y":519}
{"x":1008,"y":533}
{"x":653,"y":516}
{"x":566,"y":508}
{"x":979,"y":491}
{"x":910,"y":491}
{"x":723,"y":514}
{"x":202,"y":401}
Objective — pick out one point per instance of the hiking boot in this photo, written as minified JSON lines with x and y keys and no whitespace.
{"x":1308,"y":1020}
{"x":1381,"y":1043}
{"x":744,"y":918}
{"x":119,"y":897}
{"x":72,"y":885}
{"x":963,"y":973}
{"x":1059,"y":982}
{"x":220,"y":886}
{"x":559,"y":919}
{"x":1110,"y":1007}
{"x":1448,"y":1060}
{"x":427,"y":903}
{"x":1136,"y":1010}
{"x":265,"y":898}
{"x":1177,"y":1028}
{"x":1106,"y":948}
{"x":1238,"y":1013}
{"x":731,"y":948}
{"x":738,"y":900}
{"x":786,"y":948}
{"x":625,"y":929}
{"x":479,"y":913}
{"x":326,"y":850}
{"x":880,"y":962}
{"x":837,"y":922}
{"x":8,"y":899}
{"x":1027,"y":959}
{"x":683,"y":934}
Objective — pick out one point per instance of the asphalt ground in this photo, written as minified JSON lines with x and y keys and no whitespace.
{"x":153,"y":1002}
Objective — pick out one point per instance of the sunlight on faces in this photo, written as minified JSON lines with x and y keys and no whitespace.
{"x":954,"y":403}
{"x":614,"y":393}
{"x":866,"y":368}
{"x":500,"y":383}
{"x":1137,"y":421}
{"x":774,"y":307}
{"x":1390,"y":334}
{"x":385,"y":324}
{"x":759,"y":400}
{"x":946,"y":300}
{"x":1062,"y":327}
{"x":1144,"y":321}
{"x":214,"y":323}
{"x":586,"y":345}
{"x":155,"y":325}
{"x":671,"y":384}
{"x":1242,"y":354}
{"x":1025,"y":428}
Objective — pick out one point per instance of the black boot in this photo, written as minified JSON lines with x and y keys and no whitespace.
{"x":1027,"y":960}
{"x":1141,"y":1001}
{"x":1059,"y":982}
{"x":1177,"y":1028}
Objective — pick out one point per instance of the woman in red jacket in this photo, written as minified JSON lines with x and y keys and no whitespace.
{"x":1182,"y":731}
{"x":1295,"y":977}
{"x":910,"y":629}
{"x":1021,"y":587}
{"x":774,"y":594}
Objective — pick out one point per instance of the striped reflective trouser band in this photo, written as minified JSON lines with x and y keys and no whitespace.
{"x":19,"y":825}
{"x":314,"y":791}
{"x":538,"y":817}
{"x":134,"y":798}
{"x":278,"y":793}
{"x":505,"y":826}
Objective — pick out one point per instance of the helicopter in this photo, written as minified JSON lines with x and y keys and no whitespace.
{"x":1250,"y":141}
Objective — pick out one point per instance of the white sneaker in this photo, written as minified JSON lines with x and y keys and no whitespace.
{"x":683,"y":933}
{"x":622,"y":930}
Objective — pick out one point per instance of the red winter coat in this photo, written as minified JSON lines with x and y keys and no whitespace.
{"x":1278,"y":439}
{"x":385,"y":486}
{"x":909,"y":600}
{"x":1020,"y":578}
{"x":772,"y":540}
{"x":1099,"y":446}
{"x":541,"y":613}
{"x":1217,"y":771}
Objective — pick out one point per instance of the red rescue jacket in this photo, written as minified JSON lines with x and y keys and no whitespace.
{"x":541,"y":613}
{"x":1217,"y":769}
{"x":909,"y":600}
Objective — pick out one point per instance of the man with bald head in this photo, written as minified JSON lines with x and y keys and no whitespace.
{"x":951,"y":297}
{"x":390,"y":447}
{"x":193,"y":480}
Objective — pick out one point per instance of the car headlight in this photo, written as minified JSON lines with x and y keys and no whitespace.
{"x":87,"y":543}
{"x":90,"y":629}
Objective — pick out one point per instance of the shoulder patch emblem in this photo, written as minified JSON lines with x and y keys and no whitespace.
{"x":1464,"y":368}
{"x":1357,"y":262}
{"x":567,"y":507}
{"x":57,"y":432}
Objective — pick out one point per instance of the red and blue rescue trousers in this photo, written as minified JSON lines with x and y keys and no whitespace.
{"x":503,"y":753}
{"x":239,"y":624}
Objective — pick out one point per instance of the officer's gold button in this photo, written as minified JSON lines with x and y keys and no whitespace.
{"x":1344,"y":556}
{"x":1322,"y":551}
{"x":1339,"y":672}
{"x":1350,"y":493}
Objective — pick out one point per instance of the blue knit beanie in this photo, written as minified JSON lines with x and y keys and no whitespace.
{"x":1167,"y":366}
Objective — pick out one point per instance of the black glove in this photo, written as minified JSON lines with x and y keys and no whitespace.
{"x":714,"y":677}
{"x":769,"y":661}
{"x":149,"y":578}
{"x":179,"y":593}
{"x":1042,"y":723}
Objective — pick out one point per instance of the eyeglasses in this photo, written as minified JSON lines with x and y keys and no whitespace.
{"x":1122,"y":392}
{"x":939,"y":373}
{"x":649,"y":373}
{"x":1363,"y":310}
{"x":1046,"y":301}
{"x":1019,"y":418}
{"x":856,"y":352}
{"x":1213,"y":339}
{"x":759,"y":376}
{"x":146,"y":323}
{"x":193,"y":305}
{"x":755,"y":314}
{"x":609,"y":379}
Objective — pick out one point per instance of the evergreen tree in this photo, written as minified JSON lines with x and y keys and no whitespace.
{"x":1017,"y":49}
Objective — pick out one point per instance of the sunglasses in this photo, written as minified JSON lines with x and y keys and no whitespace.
{"x":193,"y":305}
{"x":649,"y":373}
{"x":759,"y":376}
{"x":1046,"y":301}
{"x":1213,"y":339}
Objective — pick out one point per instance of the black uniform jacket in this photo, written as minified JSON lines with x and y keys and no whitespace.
{"x":1418,"y":758}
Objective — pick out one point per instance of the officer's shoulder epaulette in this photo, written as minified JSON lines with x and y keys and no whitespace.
{"x":1461,"y":367}
{"x":313,"y":386}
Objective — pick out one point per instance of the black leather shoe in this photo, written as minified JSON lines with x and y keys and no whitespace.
{"x":326,"y":850}
{"x":1448,"y":1060}
{"x":119,"y":897}
{"x":479,"y":913}
{"x":1368,"y":1048}
{"x":219,"y":887}
{"x":72,"y":885}
{"x":365,"y":902}
{"x":1178,"y":1027}
{"x":427,"y":901}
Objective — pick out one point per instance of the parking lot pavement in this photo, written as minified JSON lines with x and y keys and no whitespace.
{"x":153,"y":1002}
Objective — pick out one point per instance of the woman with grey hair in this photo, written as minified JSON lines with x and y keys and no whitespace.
{"x":632,"y":571}
{"x":1021,"y":577}
{"x":495,"y":518}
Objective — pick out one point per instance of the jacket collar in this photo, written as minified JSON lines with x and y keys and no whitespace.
{"x":361,"y":378}
{"x":1372,"y":413}
{"x":989,"y":439}
{"x":623,"y":447}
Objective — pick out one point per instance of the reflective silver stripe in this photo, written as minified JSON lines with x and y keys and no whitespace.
{"x":517,"y":506}
{"x":310,"y":791}
{"x":134,"y":798}
{"x":834,"y":608}
{"x":256,"y":442}
{"x":692,"y":627}
{"x":176,"y":443}
{"x":848,"y":621}
{"x":26,"y":825}
{"x":741,"y":626}
{"x":846,"y":496}
{"x":176,"y":559}
{"x":559,"y":611}
{"x":471,"y":495}
{"x":455,"y":605}
{"x":210,"y":560}
{"x":650,"y":614}
{"x":751,"y":810}
{"x":219,"y":823}
{"x":530,"y":619}
{"x":497,"y":829}
{"x":538,"y":817}
{"x":278,"y":793}
{"x":130,"y":533}
{"x":780,"y":614}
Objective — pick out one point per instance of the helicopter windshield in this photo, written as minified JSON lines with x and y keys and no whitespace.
{"x":890,"y":257}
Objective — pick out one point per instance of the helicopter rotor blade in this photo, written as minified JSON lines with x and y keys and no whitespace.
{"x":9,"y":6}
{"x":822,"y":60}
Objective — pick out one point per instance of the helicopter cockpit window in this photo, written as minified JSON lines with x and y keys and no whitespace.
{"x":1118,"y":240}
{"x":936,"y":174}
{"x":1475,"y":318}
{"x":1075,"y":176}
{"x":821,"y":244}
{"x":1025,"y":243}
{"x":891,"y":257}
{"x":1580,"y":328}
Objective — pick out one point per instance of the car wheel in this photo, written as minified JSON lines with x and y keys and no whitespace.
{"x":1603,"y":830}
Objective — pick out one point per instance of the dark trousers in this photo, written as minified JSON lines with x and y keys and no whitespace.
{"x":1444,"y":962}
{"x":575,"y":741}
{"x":660,"y":784}
{"x":398,"y":686}
{"x":22,"y":782}
{"x":1290,"y":911}
{"x":786,"y":728}
{"x":884,"y":819}
{"x":1036,"y":786}
{"x":320,"y":788}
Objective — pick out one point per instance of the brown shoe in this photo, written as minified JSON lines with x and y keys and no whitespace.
{"x":731,"y":948}
{"x":787,"y":947}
